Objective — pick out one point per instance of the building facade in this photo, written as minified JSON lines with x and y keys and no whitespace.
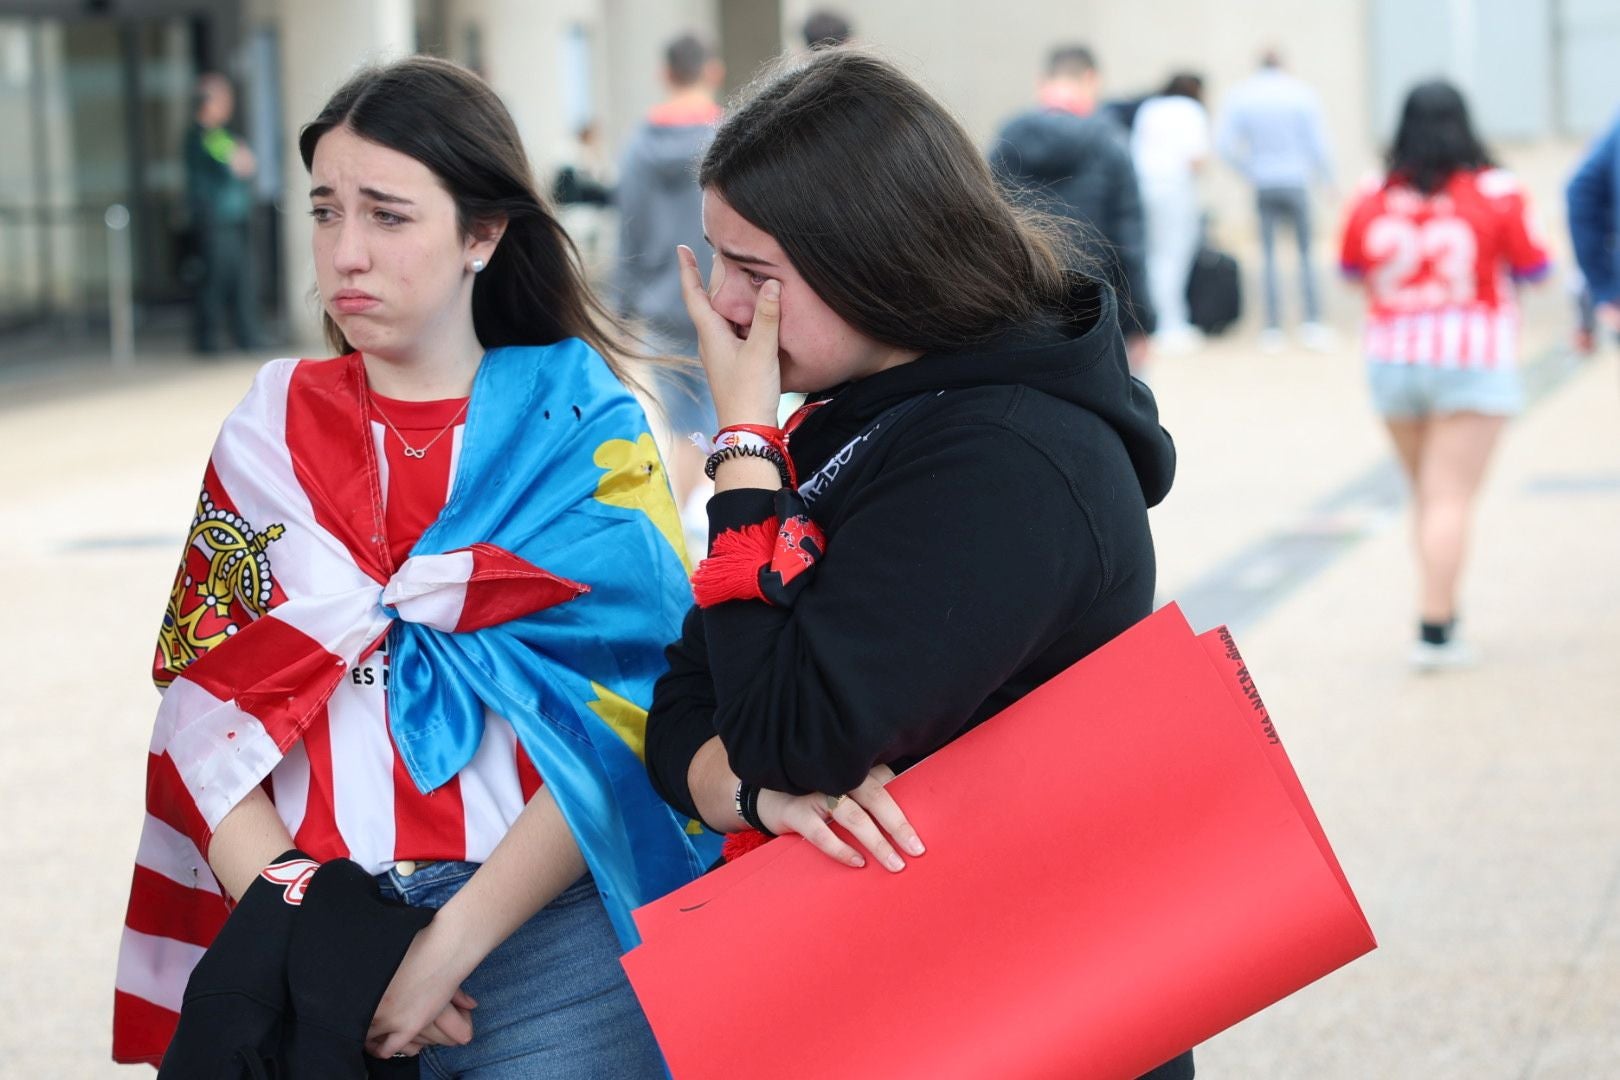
{"x":95,"y":98}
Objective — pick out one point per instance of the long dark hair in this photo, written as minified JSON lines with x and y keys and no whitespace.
{"x":534,"y":290}
{"x":1435,"y":138}
{"x":883,"y":204}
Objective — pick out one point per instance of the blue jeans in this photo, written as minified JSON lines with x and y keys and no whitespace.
{"x":1291,"y":206}
{"x":552,"y":999}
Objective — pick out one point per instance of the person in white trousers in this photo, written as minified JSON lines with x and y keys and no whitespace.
{"x":1169,"y":144}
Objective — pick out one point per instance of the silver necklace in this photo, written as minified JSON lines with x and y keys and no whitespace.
{"x":411,"y":451}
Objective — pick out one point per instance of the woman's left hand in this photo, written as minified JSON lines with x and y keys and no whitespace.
{"x":424,"y":1002}
{"x":869,"y":813}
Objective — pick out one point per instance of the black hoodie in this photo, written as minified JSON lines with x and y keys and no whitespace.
{"x":980,"y":543}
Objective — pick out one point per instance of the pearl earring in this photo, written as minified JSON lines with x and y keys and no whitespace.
{"x":478,"y":266}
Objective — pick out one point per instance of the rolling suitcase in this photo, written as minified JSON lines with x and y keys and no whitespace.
{"x":1214,"y":290}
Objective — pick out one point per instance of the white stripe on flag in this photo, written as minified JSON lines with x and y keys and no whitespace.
{"x":172,"y":854}
{"x":489,"y":786}
{"x":431,"y":589}
{"x":251,"y":457}
{"x":155,"y":969}
{"x":343,"y":624}
{"x":363,"y":774}
{"x":219,"y":750}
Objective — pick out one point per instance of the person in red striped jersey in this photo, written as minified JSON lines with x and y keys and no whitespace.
{"x":436,"y":261}
{"x":1439,"y":243}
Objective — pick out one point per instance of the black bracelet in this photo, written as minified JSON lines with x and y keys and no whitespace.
{"x":764,"y":453}
{"x":747,"y":801}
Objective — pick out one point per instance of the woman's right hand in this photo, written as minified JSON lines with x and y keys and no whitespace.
{"x":869,"y":814}
{"x":745,"y":376}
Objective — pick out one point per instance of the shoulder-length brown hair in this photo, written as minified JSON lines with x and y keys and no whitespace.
{"x":534,"y":291}
{"x":883,"y":204}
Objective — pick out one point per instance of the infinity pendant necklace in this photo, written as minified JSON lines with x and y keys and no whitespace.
{"x":412,"y":451}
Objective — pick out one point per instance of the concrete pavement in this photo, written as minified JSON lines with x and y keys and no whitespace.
{"x":1474,"y":812}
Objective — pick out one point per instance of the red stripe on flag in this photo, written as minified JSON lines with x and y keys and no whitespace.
{"x":141,"y":1030}
{"x":504,"y":586}
{"x":528,"y":776}
{"x":169,"y":800}
{"x":327,"y":424}
{"x":431,"y":826}
{"x":162,"y":907}
{"x":274,"y":672}
{"x":318,"y":833}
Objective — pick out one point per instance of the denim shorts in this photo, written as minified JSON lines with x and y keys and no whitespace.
{"x":552,"y":998}
{"x":1415,"y":391}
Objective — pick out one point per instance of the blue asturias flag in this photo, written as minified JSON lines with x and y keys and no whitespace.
{"x":557,"y":467}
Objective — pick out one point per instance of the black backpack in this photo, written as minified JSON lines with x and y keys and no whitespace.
{"x":1214,"y":290}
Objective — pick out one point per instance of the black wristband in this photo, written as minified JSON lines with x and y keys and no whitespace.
{"x":748,"y":807}
{"x":764,"y":453}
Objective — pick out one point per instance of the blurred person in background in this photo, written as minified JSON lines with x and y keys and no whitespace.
{"x":1437,"y":243}
{"x":865,"y":601}
{"x":1270,"y":129}
{"x":826,"y":29}
{"x":582,"y":190}
{"x":219,"y":198}
{"x":1067,"y":158}
{"x":1592,"y":201}
{"x":466,"y":498}
{"x":661,"y":208}
{"x":1169,"y":144}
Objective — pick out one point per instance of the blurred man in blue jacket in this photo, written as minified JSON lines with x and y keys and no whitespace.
{"x":1594,"y":223}
{"x":1271,"y":131}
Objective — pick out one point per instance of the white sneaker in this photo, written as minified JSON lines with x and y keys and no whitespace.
{"x":1318,"y":337}
{"x":1451,"y":656}
{"x":1177,"y":341}
{"x":1273,"y":340}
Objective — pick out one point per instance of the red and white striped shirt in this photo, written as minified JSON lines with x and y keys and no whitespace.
{"x":1439,"y":269}
{"x":343,"y":790}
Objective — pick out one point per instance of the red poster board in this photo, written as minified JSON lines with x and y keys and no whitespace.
{"x":1119,"y":866}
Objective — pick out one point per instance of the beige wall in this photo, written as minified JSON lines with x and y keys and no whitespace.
{"x":636,"y":33}
{"x":981,"y":57}
{"x":322,"y":43}
{"x":522,"y":46}
{"x":983,"y":60}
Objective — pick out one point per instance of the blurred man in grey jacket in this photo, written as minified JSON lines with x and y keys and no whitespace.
{"x":661,"y":206}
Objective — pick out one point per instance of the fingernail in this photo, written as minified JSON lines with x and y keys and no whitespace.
{"x":772,"y":290}
{"x":915,"y":846}
{"x":893,"y":863}
{"x":856,"y":861}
